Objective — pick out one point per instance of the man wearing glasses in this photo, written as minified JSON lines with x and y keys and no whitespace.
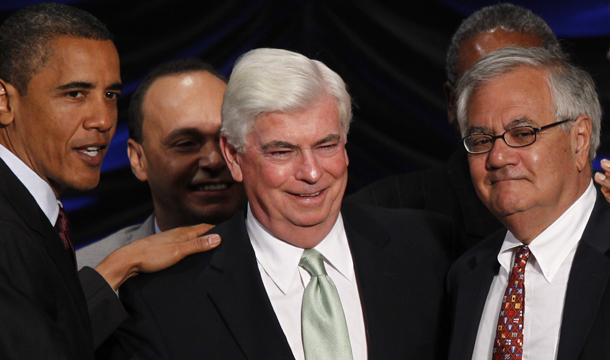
{"x":539,"y":288}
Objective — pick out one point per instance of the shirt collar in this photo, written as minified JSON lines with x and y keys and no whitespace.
{"x":157,"y":230}
{"x":40,"y":189}
{"x":552,"y":246}
{"x":280,"y":260}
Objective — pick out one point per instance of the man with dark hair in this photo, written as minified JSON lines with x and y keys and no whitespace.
{"x":59,"y":84}
{"x":448,"y":190}
{"x":174,"y":124}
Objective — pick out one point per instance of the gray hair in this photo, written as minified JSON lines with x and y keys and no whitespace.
{"x":272,"y":80}
{"x":572,"y":89}
{"x":505,"y":16}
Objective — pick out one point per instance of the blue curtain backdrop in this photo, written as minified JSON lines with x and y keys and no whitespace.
{"x":391,"y":54}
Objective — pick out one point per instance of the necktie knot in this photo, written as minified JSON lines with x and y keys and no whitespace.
{"x":521,"y":258}
{"x":313,"y":262}
{"x":61,"y":225}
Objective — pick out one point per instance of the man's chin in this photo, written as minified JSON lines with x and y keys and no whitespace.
{"x":77,"y":183}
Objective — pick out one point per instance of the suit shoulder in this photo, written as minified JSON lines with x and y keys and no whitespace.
{"x":412,"y":231}
{"x":92,"y":254}
{"x":409,"y":218}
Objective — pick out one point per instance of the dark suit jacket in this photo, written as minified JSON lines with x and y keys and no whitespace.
{"x":585,"y":329}
{"x":214,"y":305}
{"x":43,"y":313}
{"x":446,"y":190}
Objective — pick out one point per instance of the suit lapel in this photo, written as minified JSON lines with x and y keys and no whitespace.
{"x":25,"y":205}
{"x":587,"y":284}
{"x":238,"y":293}
{"x":470,"y":296}
{"x":375,"y":275}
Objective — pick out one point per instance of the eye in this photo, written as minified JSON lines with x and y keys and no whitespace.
{"x":328,"y":147}
{"x":480,"y":140}
{"x":521,"y":132}
{"x":522,"y":135}
{"x":112,"y":95}
{"x":186,"y":146}
{"x":281,"y":154}
{"x":75,"y":94}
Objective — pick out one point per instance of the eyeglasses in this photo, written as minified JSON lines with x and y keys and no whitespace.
{"x":516,"y":137}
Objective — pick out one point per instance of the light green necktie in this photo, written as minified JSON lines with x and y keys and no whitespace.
{"x":325,"y":335}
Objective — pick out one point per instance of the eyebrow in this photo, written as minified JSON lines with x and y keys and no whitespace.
{"x":287,"y":145}
{"x":76,"y":85}
{"x":87,"y":85}
{"x":329,"y":138}
{"x":522,"y":121}
{"x":186,"y":131}
{"x":279,"y":144}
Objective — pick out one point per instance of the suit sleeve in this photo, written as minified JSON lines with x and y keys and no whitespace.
{"x":105,"y":309}
{"x":31,"y":290}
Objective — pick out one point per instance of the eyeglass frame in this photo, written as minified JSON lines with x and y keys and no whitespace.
{"x":495,"y":137}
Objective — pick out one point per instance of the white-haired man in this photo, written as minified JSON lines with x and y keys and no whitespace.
{"x":540,"y":290}
{"x":379,"y":272}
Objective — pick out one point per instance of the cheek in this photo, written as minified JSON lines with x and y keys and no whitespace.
{"x":336,"y":165}
{"x":275,"y":175}
{"x":176,"y":168}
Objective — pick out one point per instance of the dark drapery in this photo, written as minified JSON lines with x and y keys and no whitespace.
{"x":391,"y":54}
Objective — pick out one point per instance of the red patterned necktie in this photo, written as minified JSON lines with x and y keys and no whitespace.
{"x":63,"y":229}
{"x":508,"y":344}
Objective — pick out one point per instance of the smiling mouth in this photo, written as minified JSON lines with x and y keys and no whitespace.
{"x":309,"y":195}
{"x":92,"y":150}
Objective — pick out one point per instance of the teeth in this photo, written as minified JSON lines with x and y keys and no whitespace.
{"x":310,"y":195}
{"x":92,"y":150}
{"x":213,"y":187}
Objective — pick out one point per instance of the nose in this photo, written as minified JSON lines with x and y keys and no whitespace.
{"x":309,"y":169}
{"x":501,"y":155}
{"x":102,"y":117}
{"x":211,"y":158}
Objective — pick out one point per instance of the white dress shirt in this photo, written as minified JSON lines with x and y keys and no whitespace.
{"x":40,"y":189}
{"x":285,"y":282}
{"x":546,"y":279}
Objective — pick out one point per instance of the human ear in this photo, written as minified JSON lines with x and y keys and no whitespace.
{"x":8,"y":94}
{"x":582,"y":141}
{"x":233,"y":159}
{"x":137,"y":159}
